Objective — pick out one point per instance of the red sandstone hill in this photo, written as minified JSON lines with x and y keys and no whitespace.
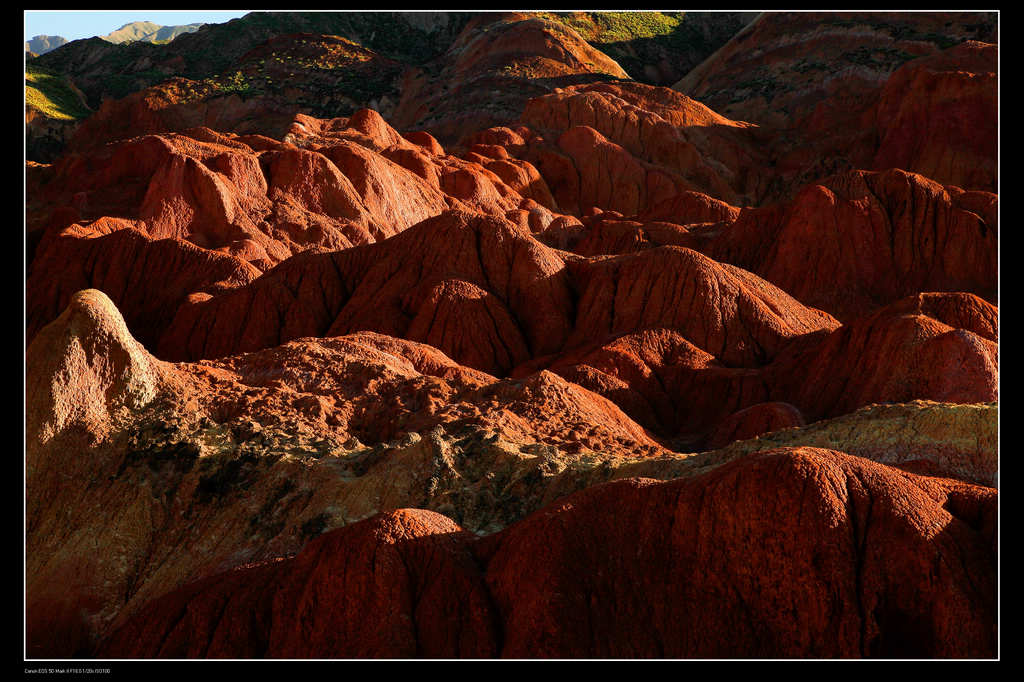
{"x":678,"y":390}
{"x":673,"y":139}
{"x":531,"y":302}
{"x":207,"y":212}
{"x":876,"y":237}
{"x":477,"y":281}
{"x":847,"y":245}
{"x":251,"y":456}
{"x":497,"y":63}
{"x":247,"y":202}
{"x":255,"y":454}
{"x":440,"y":70}
{"x":792,"y":553}
{"x":949,"y":100}
{"x":871,"y":90}
{"x":339,"y":341}
{"x":934,"y":115}
{"x":782,"y":66}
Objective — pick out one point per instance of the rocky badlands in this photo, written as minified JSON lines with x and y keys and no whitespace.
{"x":515,"y":335}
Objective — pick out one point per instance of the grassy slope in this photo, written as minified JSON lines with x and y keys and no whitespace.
{"x":51,"y":94}
{"x":613,"y":27}
{"x":636,"y":39}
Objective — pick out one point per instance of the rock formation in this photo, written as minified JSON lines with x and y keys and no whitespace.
{"x":404,"y":335}
{"x":253,"y":455}
{"x":801,"y":532}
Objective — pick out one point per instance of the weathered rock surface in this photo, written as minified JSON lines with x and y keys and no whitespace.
{"x":890,"y":356}
{"x":860,"y":240}
{"x":949,"y":100}
{"x":791,"y":553}
{"x":942,"y":439}
{"x":497,"y":63}
{"x":323,"y":330}
{"x":669,"y":144}
{"x":936,"y":347}
{"x":753,"y":421}
{"x":798,"y":553}
{"x":781,"y":66}
{"x":86,"y":368}
{"x":871,"y":90}
{"x":247,"y":458}
{"x":242,"y":203}
{"x":661,"y":380}
{"x":219,"y":193}
{"x":115,"y":256}
{"x":890,"y":235}
{"x":457,"y":258}
{"x":751,"y":321}
{"x":405,"y":565}
{"x":520,"y":292}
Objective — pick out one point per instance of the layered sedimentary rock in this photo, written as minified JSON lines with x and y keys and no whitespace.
{"x":487,"y":291}
{"x":950,"y":101}
{"x":247,"y":203}
{"x":886,"y":354}
{"x":115,"y":256}
{"x":219,"y":193}
{"x":789,"y":528}
{"x":522,"y":290}
{"x":777,"y":69}
{"x":877,"y":237}
{"x":936,"y":350}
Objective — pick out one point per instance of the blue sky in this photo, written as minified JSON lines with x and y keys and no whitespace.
{"x":74,"y":25}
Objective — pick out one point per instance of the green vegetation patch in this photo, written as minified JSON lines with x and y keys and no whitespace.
{"x":234,"y":84}
{"x":621,"y":26}
{"x":638,"y":39}
{"x":52,"y":94}
{"x":601,"y":28}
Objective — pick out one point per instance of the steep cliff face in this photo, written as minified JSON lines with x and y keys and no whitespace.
{"x":436,"y":335}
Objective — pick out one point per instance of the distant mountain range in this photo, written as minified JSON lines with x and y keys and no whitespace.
{"x":43,"y":44}
{"x":148,"y":32}
{"x":137,"y":31}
